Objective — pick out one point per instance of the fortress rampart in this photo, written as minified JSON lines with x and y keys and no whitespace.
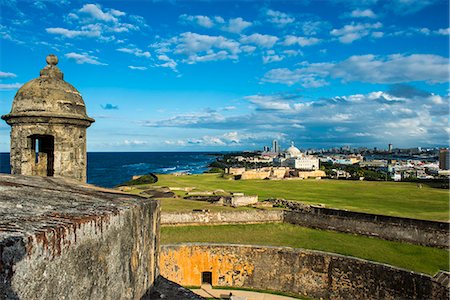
{"x":295,"y":271}
{"x":61,"y":239}
{"x":221,"y":218}
{"x":421,"y":232}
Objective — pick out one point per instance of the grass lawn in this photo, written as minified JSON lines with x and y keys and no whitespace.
{"x":412,"y":257}
{"x":386,"y":198}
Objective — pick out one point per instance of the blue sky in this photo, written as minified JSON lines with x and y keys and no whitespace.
{"x":232,"y":75}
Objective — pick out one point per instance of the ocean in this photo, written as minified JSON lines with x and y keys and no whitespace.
{"x":108,"y":169}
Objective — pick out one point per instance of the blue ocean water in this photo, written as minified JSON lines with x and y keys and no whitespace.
{"x":108,"y":169}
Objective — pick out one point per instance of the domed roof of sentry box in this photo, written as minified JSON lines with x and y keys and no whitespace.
{"x":49,"y":96}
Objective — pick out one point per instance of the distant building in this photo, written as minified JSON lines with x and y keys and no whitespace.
{"x":295,"y":159}
{"x":275,"y":146}
{"x":444,"y":159}
{"x":390,"y":148}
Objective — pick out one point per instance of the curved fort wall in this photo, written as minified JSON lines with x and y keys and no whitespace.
{"x":296,"y":271}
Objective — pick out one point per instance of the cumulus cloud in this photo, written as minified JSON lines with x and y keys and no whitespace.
{"x":95,"y":12}
{"x":443,"y":31}
{"x":236,"y":25}
{"x":279,"y":18}
{"x":227,"y":139}
{"x":84,"y":58}
{"x":7,"y":75}
{"x":203,"y":21}
{"x":196,"y":48}
{"x":135,"y":51}
{"x":233,"y":25}
{"x":313,"y":27}
{"x":396,"y":68}
{"x":409,"y":115}
{"x":261,"y":40}
{"x":354,"y":31}
{"x":92,"y":21}
{"x":363,"y":13}
{"x":271,"y":57}
{"x":167,"y":62}
{"x":300,"y":40}
{"x":86,"y":32}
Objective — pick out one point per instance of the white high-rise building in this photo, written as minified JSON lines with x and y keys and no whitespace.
{"x":275,"y":146}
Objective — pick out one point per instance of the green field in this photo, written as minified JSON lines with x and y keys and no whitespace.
{"x":386,"y":198}
{"x":412,"y":257}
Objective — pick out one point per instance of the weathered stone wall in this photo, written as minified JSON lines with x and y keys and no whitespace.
{"x":225,"y":217}
{"x":61,"y":239}
{"x":70,"y":158}
{"x":422,"y":232}
{"x":241,"y":200}
{"x":296,"y":271}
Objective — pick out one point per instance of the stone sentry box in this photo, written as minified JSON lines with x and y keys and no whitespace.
{"x":48,"y":127}
{"x":61,"y":239}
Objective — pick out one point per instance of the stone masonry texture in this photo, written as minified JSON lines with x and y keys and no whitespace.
{"x":300,"y":272}
{"x":61,"y":239}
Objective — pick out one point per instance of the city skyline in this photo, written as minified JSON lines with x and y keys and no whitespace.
{"x":234,"y":75}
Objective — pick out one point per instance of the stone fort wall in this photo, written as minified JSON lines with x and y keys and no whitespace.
{"x":295,"y":271}
{"x":61,"y":239}
{"x":421,"y":232}
{"x":225,"y":217}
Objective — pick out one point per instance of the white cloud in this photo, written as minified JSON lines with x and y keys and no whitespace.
{"x":167,"y":62}
{"x":84,"y":58}
{"x":363,"y":13}
{"x":95,"y":12}
{"x":299,"y":40}
{"x":134,"y":142}
{"x":396,"y":68}
{"x":272,"y":58}
{"x":203,"y":21}
{"x":236,"y":25}
{"x":135,"y":51}
{"x":355,"y":31}
{"x":201,"y":48}
{"x":73,"y":33}
{"x":377,"y":34}
{"x":7,"y":75}
{"x":306,"y":77}
{"x":137,"y":68}
{"x":411,"y":116}
{"x":262,"y":40}
{"x":10,"y":86}
{"x":92,"y":21}
{"x":313,"y":27}
{"x":248,"y":49}
{"x":268,"y":102}
{"x":443,"y":31}
{"x":279,"y":18}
